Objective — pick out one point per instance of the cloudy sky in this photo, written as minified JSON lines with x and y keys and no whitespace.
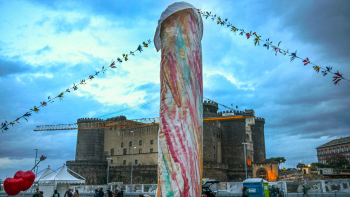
{"x":46,"y":46}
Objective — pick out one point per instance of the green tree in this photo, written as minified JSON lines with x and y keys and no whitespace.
{"x":301,"y":165}
{"x":278,"y":159}
{"x":321,"y":165}
{"x":337,"y":160}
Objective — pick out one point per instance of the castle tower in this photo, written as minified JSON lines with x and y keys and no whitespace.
{"x":90,"y":142}
{"x":210,"y":109}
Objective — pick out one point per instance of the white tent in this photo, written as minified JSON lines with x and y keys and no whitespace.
{"x":61,"y":181}
{"x":46,"y":174}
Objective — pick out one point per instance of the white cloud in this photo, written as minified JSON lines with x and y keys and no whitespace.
{"x":6,"y":163}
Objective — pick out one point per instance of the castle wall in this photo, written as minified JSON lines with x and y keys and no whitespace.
{"x":212,"y":142}
{"x":223,"y":151}
{"x":142,"y":174}
{"x":94,"y":172}
{"x":233,"y":135}
{"x":259,"y":140}
{"x":118,"y":140}
{"x":90,"y":142}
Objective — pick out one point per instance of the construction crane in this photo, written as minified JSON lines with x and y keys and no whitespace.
{"x":124,"y":123}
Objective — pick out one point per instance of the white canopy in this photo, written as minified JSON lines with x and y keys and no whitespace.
{"x":44,"y":175}
{"x":61,"y":176}
{"x":64,"y":177}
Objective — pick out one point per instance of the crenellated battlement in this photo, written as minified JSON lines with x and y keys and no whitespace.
{"x":235,"y":112}
{"x":210,"y":108}
{"x":84,"y":120}
{"x":118,"y":118}
{"x":260,"y":119}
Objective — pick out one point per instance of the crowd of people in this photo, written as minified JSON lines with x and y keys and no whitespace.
{"x":98,"y":193}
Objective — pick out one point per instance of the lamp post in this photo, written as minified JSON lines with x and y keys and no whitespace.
{"x":108,"y":170}
{"x":36,"y":155}
{"x":132,"y":157}
{"x":245,"y":161}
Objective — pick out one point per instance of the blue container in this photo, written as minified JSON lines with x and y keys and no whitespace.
{"x":255,"y":187}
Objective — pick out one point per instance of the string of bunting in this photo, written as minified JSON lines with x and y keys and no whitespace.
{"x":267,"y":43}
{"x":125,"y":57}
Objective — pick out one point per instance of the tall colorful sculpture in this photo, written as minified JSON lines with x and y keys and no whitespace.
{"x":180,"y":162}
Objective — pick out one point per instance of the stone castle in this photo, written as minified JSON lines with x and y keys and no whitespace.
{"x":223,"y":151}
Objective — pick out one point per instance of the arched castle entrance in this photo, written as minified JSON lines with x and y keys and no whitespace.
{"x":262,"y":173}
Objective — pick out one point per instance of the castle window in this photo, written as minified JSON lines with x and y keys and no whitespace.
{"x":112,"y":151}
{"x":136,"y":162}
{"x":214,"y":147}
{"x":122,"y":144}
{"x":140,"y":142}
{"x":130,"y":143}
{"x":140,"y":151}
{"x":325,"y":152}
{"x":151,"y":150}
{"x":342,"y":149}
{"x":124,"y":151}
{"x":151,"y":141}
{"x":338,"y":149}
{"x":333,"y":150}
{"x":347,"y":148}
{"x":330,"y":150}
{"x":321,"y":152}
{"x":124,"y":162}
{"x":111,"y":161}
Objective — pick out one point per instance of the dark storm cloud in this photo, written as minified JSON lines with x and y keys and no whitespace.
{"x":11,"y":66}
{"x":316,"y":22}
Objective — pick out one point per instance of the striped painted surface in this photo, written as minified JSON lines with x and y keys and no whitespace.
{"x":181,"y":107}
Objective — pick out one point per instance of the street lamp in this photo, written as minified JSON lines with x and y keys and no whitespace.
{"x":108,"y":170}
{"x":132,"y":157}
{"x":36,"y":155}
{"x":245,"y":161}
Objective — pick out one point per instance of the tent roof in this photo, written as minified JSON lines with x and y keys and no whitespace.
{"x":61,"y":176}
{"x":64,"y":177}
{"x":44,"y":175}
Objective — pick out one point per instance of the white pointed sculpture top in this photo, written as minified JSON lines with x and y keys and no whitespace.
{"x":175,"y":7}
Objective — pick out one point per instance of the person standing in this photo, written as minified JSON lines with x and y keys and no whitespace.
{"x":70,"y":193}
{"x":121,"y":192}
{"x":109,"y":192}
{"x":76,"y":193}
{"x":101,"y":193}
{"x":305,"y":191}
{"x":277,"y":191}
{"x":245,"y":192}
{"x":38,"y":193}
{"x":273,"y":191}
{"x":66,"y":194}
{"x":96,"y":193}
{"x":56,"y":194}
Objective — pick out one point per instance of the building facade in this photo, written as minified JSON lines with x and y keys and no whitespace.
{"x":223,"y":151}
{"x":340,"y":145}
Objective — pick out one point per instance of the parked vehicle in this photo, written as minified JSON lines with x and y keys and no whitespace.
{"x":206,"y":187}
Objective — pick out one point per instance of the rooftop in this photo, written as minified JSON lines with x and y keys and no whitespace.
{"x":341,"y":140}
